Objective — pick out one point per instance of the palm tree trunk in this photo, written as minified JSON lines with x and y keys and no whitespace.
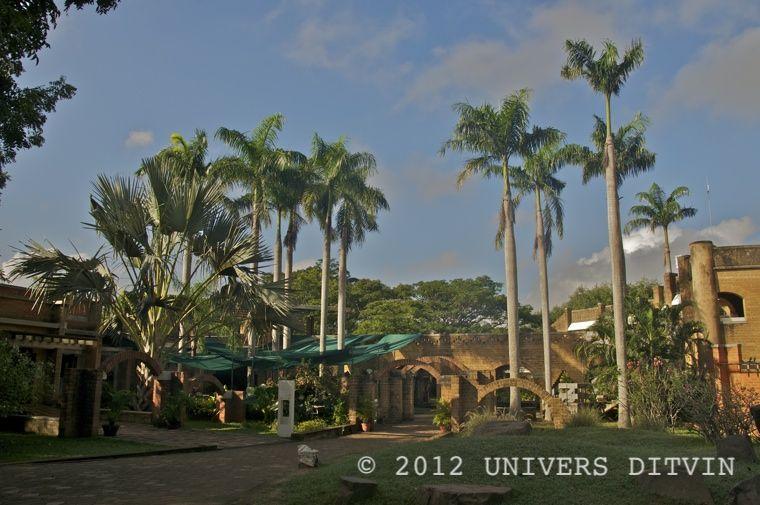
{"x":187,"y":268}
{"x":256,"y":230}
{"x":288,"y":273}
{"x":276,"y":269}
{"x":325,"y":280}
{"x":342,"y":292}
{"x":668,"y":264}
{"x":510,"y":267}
{"x":543,"y":280}
{"x":617,"y":260}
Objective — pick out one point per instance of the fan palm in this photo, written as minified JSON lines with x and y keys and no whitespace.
{"x":538,"y":177}
{"x":660,"y":211}
{"x":606,"y":75}
{"x":147,"y":224}
{"x":335,"y":169}
{"x":356,"y":215}
{"x":495,"y":136}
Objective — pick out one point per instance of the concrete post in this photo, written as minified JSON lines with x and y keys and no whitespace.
{"x":407,"y":397}
{"x":705,"y":289}
{"x":80,"y":405}
{"x":396,"y":397}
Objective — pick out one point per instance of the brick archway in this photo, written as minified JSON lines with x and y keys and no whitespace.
{"x":560,"y":413}
{"x":139,"y":356}
{"x":400,"y":363}
{"x":207,"y":378}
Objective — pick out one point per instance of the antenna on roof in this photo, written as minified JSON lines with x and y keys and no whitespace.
{"x":709,"y":208}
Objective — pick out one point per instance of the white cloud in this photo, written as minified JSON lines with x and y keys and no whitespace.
{"x":357,"y":47}
{"x":489,"y":68}
{"x":643,"y":255}
{"x":724,"y":78}
{"x":139,"y":138}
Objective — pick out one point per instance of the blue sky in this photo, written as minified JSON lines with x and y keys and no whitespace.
{"x":385,"y":75}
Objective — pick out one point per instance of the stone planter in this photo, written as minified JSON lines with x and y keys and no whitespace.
{"x":110,"y":430}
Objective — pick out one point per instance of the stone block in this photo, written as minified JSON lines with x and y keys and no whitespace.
{"x":747,"y":492}
{"x":681,"y":488}
{"x":462,"y":494}
{"x":355,"y":489}
{"x":738,"y":447}
{"x":307,"y":457}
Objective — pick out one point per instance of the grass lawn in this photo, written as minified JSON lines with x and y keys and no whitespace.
{"x":246,"y":427}
{"x":19,"y":447}
{"x":322,"y":485}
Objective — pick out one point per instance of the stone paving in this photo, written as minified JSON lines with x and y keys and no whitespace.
{"x":189,"y":437}
{"x":231,"y":475}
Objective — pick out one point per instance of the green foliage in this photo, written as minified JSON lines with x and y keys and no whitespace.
{"x":365,"y":410}
{"x":585,"y":417}
{"x":316,"y":396}
{"x":476,"y":418}
{"x":24,"y":28}
{"x":116,"y":401}
{"x":311,"y":425}
{"x":715,"y":416}
{"x":22,"y":381}
{"x":261,"y":402}
{"x":340,"y":412}
{"x":202,"y":407}
{"x":171,"y":410}
{"x":442,"y":414}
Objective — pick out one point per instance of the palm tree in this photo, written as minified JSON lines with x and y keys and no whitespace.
{"x":147,"y":224}
{"x":258,"y":161}
{"x":356,"y":215}
{"x":538,"y":177}
{"x":660,"y":211}
{"x":606,"y":75}
{"x":335,"y":168}
{"x":494,"y":136}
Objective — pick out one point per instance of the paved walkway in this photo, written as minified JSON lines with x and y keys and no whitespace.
{"x":188,"y":437}
{"x":232,"y":475}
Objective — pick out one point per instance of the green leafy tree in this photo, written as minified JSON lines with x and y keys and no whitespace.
{"x":606,"y":75}
{"x":660,"y":210}
{"x":24,"y":28}
{"x":538,"y":177}
{"x":19,"y":377}
{"x":392,"y":316}
{"x":146,"y":224}
{"x":495,"y":136}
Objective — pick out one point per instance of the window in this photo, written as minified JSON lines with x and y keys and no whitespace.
{"x":731,"y":305}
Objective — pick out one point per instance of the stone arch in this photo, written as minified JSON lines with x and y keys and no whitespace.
{"x":153,"y":364}
{"x":560,"y":413}
{"x":207,"y":378}
{"x":454,"y":364}
{"x":400,"y":363}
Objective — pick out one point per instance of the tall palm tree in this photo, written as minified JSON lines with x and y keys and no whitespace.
{"x":335,"y":168}
{"x":258,"y":161}
{"x":284,"y":192}
{"x":660,"y":211}
{"x":538,"y":176}
{"x":356,"y":215}
{"x":495,"y":136}
{"x":606,"y":75}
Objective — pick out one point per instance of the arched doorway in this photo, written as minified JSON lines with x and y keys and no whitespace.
{"x":426,"y":390}
{"x":530,"y":402}
{"x":560,"y":413}
{"x":132,"y":371}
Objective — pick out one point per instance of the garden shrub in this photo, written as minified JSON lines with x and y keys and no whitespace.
{"x":713,"y":416}
{"x":202,"y":407}
{"x":22,"y":381}
{"x":315,"y":396}
{"x":261,"y":403}
{"x":585,"y":417}
{"x":479,"y":417}
{"x":658,"y":395}
{"x":311,"y":425}
{"x":340,"y":412}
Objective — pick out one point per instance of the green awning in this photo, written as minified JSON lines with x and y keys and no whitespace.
{"x":357,"y":349}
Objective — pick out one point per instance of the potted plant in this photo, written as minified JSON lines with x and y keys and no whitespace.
{"x":118,"y":401}
{"x":366,"y":414}
{"x":442,"y":415}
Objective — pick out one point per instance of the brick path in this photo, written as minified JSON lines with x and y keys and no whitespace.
{"x":149,"y":434}
{"x":232,"y":475}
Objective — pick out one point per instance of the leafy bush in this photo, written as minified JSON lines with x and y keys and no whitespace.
{"x":202,"y":407}
{"x":657,"y":395}
{"x":261,"y":403}
{"x":311,"y":425}
{"x":585,"y":417}
{"x":715,"y":416}
{"x":340,"y":412}
{"x":22,"y":381}
{"x":366,"y":410}
{"x":479,"y":417}
{"x":171,"y":410}
{"x":116,"y":401}
{"x":315,"y":396}
{"x":442,"y":414}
